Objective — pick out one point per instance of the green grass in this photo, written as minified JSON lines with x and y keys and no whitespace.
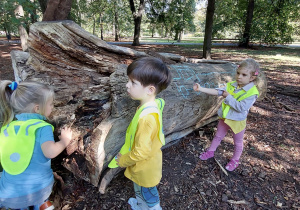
{"x":284,"y":54}
{"x":159,"y":39}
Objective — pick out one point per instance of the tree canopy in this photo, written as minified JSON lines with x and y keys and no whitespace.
{"x":272,"y":21}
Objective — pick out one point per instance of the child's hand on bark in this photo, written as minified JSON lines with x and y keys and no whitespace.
{"x":197,"y":87}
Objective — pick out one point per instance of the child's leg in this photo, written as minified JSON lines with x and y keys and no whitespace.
{"x":238,"y":149}
{"x":146,"y":198}
{"x":238,"y":145}
{"x":221,"y":132}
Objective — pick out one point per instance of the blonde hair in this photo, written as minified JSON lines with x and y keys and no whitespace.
{"x":23,"y":99}
{"x":252,"y":66}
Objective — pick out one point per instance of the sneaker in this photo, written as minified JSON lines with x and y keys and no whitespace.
{"x":47,"y":206}
{"x":141,"y":203}
{"x":134,"y":204}
{"x":233,"y":164}
{"x":156,"y":207}
{"x":206,"y":155}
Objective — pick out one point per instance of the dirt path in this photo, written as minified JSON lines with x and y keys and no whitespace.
{"x":268,"y":177}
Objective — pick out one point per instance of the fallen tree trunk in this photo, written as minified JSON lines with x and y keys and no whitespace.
{"x":89,"y":78}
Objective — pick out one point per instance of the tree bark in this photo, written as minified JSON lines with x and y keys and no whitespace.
{"x":101,"y":26}
{"x":246,"y":36}
{"x":43,"y":5}
{"x":137,"y":17}
{"x":57,"y":10}
{"x":208,"y":29}
{"x":89,"y":77}
{"x":116,"y":22}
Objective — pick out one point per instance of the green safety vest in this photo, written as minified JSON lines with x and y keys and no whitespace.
{"x":131,"y":130}
{"x":16,"y":149}
{"x":238,"y":96}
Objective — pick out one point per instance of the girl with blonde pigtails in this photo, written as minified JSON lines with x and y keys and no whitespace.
{"x":27,"y":145}
{"x":239,"y":96}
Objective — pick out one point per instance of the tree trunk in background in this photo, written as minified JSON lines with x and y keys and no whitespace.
{"x":101,"y":26}
{"x":176,"y":34}
{"x":57,"y":10}
{"x":94,"y":25}
{"x":247,"y":31}
{"x":137,"y":17}
{"x":208,"y":29}
{"x":89,"y":78}
{"x":43,"y":5}
{"x":116,"y":22}
{"x":23,"y":37}
{"x":19,"y":12}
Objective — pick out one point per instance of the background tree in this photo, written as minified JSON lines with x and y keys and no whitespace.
{"x":157,"y":16}
{"x":137,"y":17}
{"x":125,"y":26}
{"x":272,"y":21}
{"x":57,"y":10}
{"x":182,"y":14}
{"x":43,"y":5}
{"x":19,"y":12}
{"x":116,"y":18}
{"x":246,"y":35}
{"x":81,"y":11}
{"x":17,"y":16}
{"x":8,"y":21}
{"x":208,"y":29}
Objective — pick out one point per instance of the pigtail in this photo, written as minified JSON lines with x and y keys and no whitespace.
{"x":6,"y":111}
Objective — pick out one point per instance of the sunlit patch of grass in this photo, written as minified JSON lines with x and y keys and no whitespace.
{"x":171,"y":40}
{"x":285,"y":58}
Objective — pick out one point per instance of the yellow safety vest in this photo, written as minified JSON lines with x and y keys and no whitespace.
{"x":131,"y":130}
{"x":16,"y":149}
{"x":238,"y":96}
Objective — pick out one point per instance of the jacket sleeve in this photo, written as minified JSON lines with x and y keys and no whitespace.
{"x":242,"y":105}
{"x":147,"y":127}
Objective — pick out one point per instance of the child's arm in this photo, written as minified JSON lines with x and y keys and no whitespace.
{"x":242,"y":105}
{"x":209,"y":91}
{"x":146,"y":131}
{"x":51,"y":149}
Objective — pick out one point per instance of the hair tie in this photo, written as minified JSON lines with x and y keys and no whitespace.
{"x":256,"y":72}
{"x":13,"y":86}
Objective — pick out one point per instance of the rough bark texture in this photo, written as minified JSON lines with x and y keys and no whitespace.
{"x":89,"y":78}
{"x":57,"y":10}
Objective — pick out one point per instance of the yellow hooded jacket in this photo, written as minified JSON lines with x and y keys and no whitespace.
{"x":142,"y":155}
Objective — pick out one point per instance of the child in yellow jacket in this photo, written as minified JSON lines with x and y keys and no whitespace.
{"x":141,"y":153}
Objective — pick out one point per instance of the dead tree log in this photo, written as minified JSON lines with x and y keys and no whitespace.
{"x":89,"y":78}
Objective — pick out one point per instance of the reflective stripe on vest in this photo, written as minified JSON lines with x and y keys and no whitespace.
{"x":131,"y":130}
{"x":241,"y":95}
{"x":16,"y":149}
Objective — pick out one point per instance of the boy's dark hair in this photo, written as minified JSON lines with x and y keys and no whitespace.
{"x":150,"y":71}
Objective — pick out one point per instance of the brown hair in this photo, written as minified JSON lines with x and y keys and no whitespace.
{"x":150,"y":71}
